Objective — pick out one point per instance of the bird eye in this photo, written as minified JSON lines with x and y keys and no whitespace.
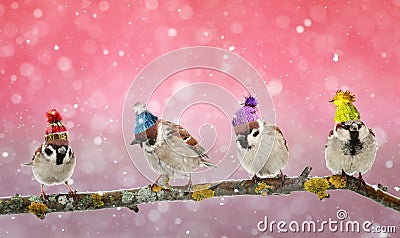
{"x":48,"y":151}
{"x":256,"y":133}
{"x":346,"y":126}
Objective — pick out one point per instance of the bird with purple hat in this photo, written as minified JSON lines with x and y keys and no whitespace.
{"x":261,"y":147}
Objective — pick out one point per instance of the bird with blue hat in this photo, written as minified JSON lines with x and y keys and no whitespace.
{"x":169,"y":148}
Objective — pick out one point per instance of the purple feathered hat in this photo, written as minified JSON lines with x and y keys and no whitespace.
{"x":247,"y":113}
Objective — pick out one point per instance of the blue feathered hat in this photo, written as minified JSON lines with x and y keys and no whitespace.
{"x":144,"y":121}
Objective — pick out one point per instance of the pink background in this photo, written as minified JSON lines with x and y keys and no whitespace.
{"x":82,"y":57}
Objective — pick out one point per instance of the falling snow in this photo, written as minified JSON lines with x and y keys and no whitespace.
{"x":82,"y":56}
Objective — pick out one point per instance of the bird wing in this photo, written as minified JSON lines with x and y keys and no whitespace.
{"x":182,"y":141}
{"x":278,"y":131}
{"x":329,"y":136}
{"x":37,"y":152}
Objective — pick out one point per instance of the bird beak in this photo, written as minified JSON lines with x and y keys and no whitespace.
{"x":353,"y":127}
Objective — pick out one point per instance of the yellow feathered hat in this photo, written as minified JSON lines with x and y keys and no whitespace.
{"x":345,"y":110}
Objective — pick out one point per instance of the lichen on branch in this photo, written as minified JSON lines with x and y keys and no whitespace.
{"x":131,"y":198}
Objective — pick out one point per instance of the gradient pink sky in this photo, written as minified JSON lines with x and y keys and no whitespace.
{"x":82,"y":57}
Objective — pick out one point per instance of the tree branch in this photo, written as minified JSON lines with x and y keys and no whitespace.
{"x":130,"y":198}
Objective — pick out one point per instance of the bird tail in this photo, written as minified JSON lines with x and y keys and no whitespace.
{"x":134,"y":142}
{"x":27,"y":164}
{"x":207,"y":164}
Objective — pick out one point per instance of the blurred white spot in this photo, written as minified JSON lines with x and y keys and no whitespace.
{"x":56,"y":47}
{"x":64,"y":63}
{"x":16,"y":98}
{"x":335,"y":57}
{"x":372,"y":95}
{"x":105,"y":52}
{"x":203,"y":36}
{"x":389,"y":164}
{"x":185,"y":12}
{"x":163,"y":207}
{"x":151,"y":4}
{"x":383,"y":54}
{"x":19,"y":40}
{"x":89,"y":47}
{"x":317,"y":13}
{"x":381,"y":135}
{"x":10,"y":30}
{"x":38,"y":13}
{"x":97,"y":100}
{"x":70,"y":181}
{"x":331,"y":83}
{"x":104,"y":6}
{"x":307,"y":22}
{"x":76,"y":106}
{"x":231,"y":48}
{"x":185,"y":94}
{"x":237,"y":28}
{"x":26,"y":69}
{"x":275,"y":87}
{"x":44,"y":56}
{"x":223,"y":148}
{"x":192,"y":206}
{"x":299,"y":29}
{"x":77,"y":84}
{"x":13,"y":78}
{"x":172,"y":32}
{"x":7,"y":51}
{"x":154,"y":215}
{"x":14,"y":5}
{"x":97,"y":140}
{"x":178,"y":221}
{"x":396,"y":189}
{"x":4,"y":154}
{"x":121,"y":53}
{"x":154,"y":106}
{"x":222,"y":37}
{"x":282,"y":21}
{"x":70,"y":124}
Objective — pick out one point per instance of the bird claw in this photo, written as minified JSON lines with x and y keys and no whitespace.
{"x":255,"y":178}
{"x":44,"y":196}
{"x":72,"y":193}
{"x":361,"y":181}
{"x":282,"y":177}
{"x":188,"y":186}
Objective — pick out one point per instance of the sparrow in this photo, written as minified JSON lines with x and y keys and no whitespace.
{"x":169,"y":148}
{"x":261,"y":147}
{"x":351,"y":146}
{"x":53,"y":161}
